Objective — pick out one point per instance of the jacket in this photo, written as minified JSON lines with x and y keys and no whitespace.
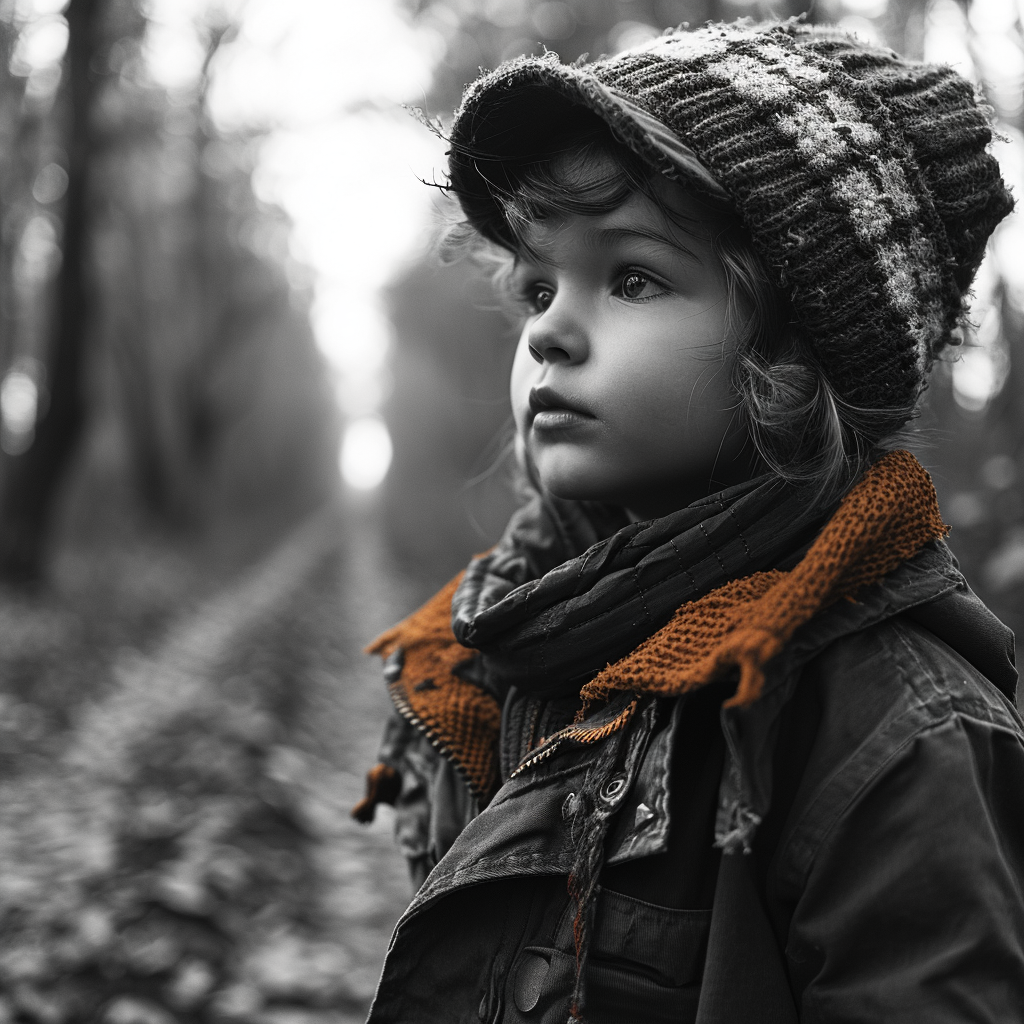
{"x":868,"y":814}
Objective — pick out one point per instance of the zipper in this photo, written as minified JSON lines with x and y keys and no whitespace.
{"x":543,"y":754}
{"x":403,"y":707}
{"x":547,"y":748}
{"x":572,"y":733}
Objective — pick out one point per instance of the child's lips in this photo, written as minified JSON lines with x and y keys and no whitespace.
{"x":559,"y":419}
{"x":550,"y":410}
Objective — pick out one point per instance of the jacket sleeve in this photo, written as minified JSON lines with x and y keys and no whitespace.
{"x":912,"y":909}
{"x":432,"y":801}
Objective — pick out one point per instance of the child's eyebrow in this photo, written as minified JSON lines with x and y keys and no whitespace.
{"x":595,"y":237}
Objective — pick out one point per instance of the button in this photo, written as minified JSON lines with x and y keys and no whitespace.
{"x":568,"y":807}
{"x":613,"y":787}
{"x":533,"y":969}
{"x":394,"y":665}
{"x":643,"y":815}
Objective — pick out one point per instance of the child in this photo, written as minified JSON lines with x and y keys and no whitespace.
{"x":716,"y":732}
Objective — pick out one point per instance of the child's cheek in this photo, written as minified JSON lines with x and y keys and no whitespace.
{"x":522,"y":456}
{"x":525,"y":372}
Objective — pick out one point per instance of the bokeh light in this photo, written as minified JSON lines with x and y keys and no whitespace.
{"x":41,"y":44}
{"x":365,"y":453}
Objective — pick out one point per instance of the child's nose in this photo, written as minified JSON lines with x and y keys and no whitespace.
{"x":556,"y":336}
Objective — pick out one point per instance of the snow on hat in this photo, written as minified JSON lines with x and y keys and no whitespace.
{"x":863,"y":177}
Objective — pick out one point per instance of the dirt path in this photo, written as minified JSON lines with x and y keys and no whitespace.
{"x":200,"y":812}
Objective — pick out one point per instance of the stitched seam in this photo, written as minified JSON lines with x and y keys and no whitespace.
{"x":867,"y":783}
{"x":711,"y":547}
{"x":872,"y":740}
{"x":531,"y":734}
{"x":440,"y":890}
{"x":597,"y":616}
{"x":611,"y":611}
{"x":667,"y":578}
{"x":801,"y":839}
{"x":739,"y":533}
{"x":998,"y":713}
{"x":640,"y":591}
{"x":683,"y":567}
{"x":936,"y":694}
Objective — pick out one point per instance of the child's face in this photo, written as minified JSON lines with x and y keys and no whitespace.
{"x":620,"y":385}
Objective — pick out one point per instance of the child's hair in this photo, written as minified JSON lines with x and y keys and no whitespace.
{"x":800,"y":428}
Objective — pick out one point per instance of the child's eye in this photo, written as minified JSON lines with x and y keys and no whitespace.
{"x":635,"y":285}
{"x":539,"y":297}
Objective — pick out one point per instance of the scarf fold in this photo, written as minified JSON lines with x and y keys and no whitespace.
{"x":572,"y":587}
{"x":888,"y":517}
{"x":656,"y":608}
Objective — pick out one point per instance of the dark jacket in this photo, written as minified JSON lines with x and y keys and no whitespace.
{"x":868,"y":808}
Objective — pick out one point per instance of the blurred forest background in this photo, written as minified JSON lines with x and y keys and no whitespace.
{"x":247,"y":420}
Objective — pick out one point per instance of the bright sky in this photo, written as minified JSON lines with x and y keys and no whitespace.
{"x":342,"y":157}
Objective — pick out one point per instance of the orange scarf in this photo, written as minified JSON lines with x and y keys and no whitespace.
{"x":889,"y":515}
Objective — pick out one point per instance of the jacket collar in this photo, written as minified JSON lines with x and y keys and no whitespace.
{"x":928,"y":588}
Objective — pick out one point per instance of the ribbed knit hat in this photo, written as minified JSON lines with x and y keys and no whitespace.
{"x":862,"y":177}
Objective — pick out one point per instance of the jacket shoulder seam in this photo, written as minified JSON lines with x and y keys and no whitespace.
{"x":847,"y":783}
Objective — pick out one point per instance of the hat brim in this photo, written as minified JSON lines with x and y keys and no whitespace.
{"x":519,"y":116}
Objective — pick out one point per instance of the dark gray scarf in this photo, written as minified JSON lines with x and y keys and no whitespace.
{"x":573,"y":586}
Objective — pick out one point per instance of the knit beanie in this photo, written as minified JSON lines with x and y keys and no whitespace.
{"x":861,"y":176}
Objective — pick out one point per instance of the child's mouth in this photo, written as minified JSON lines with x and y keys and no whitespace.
{"x":552,"y":411}
{"x":559,"y":419}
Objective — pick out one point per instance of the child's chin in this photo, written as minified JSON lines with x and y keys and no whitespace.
{"x":578,"y":488}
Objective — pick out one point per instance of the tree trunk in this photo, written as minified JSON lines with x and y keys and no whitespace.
{"x":29,"y":482}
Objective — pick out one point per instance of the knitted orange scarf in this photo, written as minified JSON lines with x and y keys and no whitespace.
{"x":886,"y":518}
